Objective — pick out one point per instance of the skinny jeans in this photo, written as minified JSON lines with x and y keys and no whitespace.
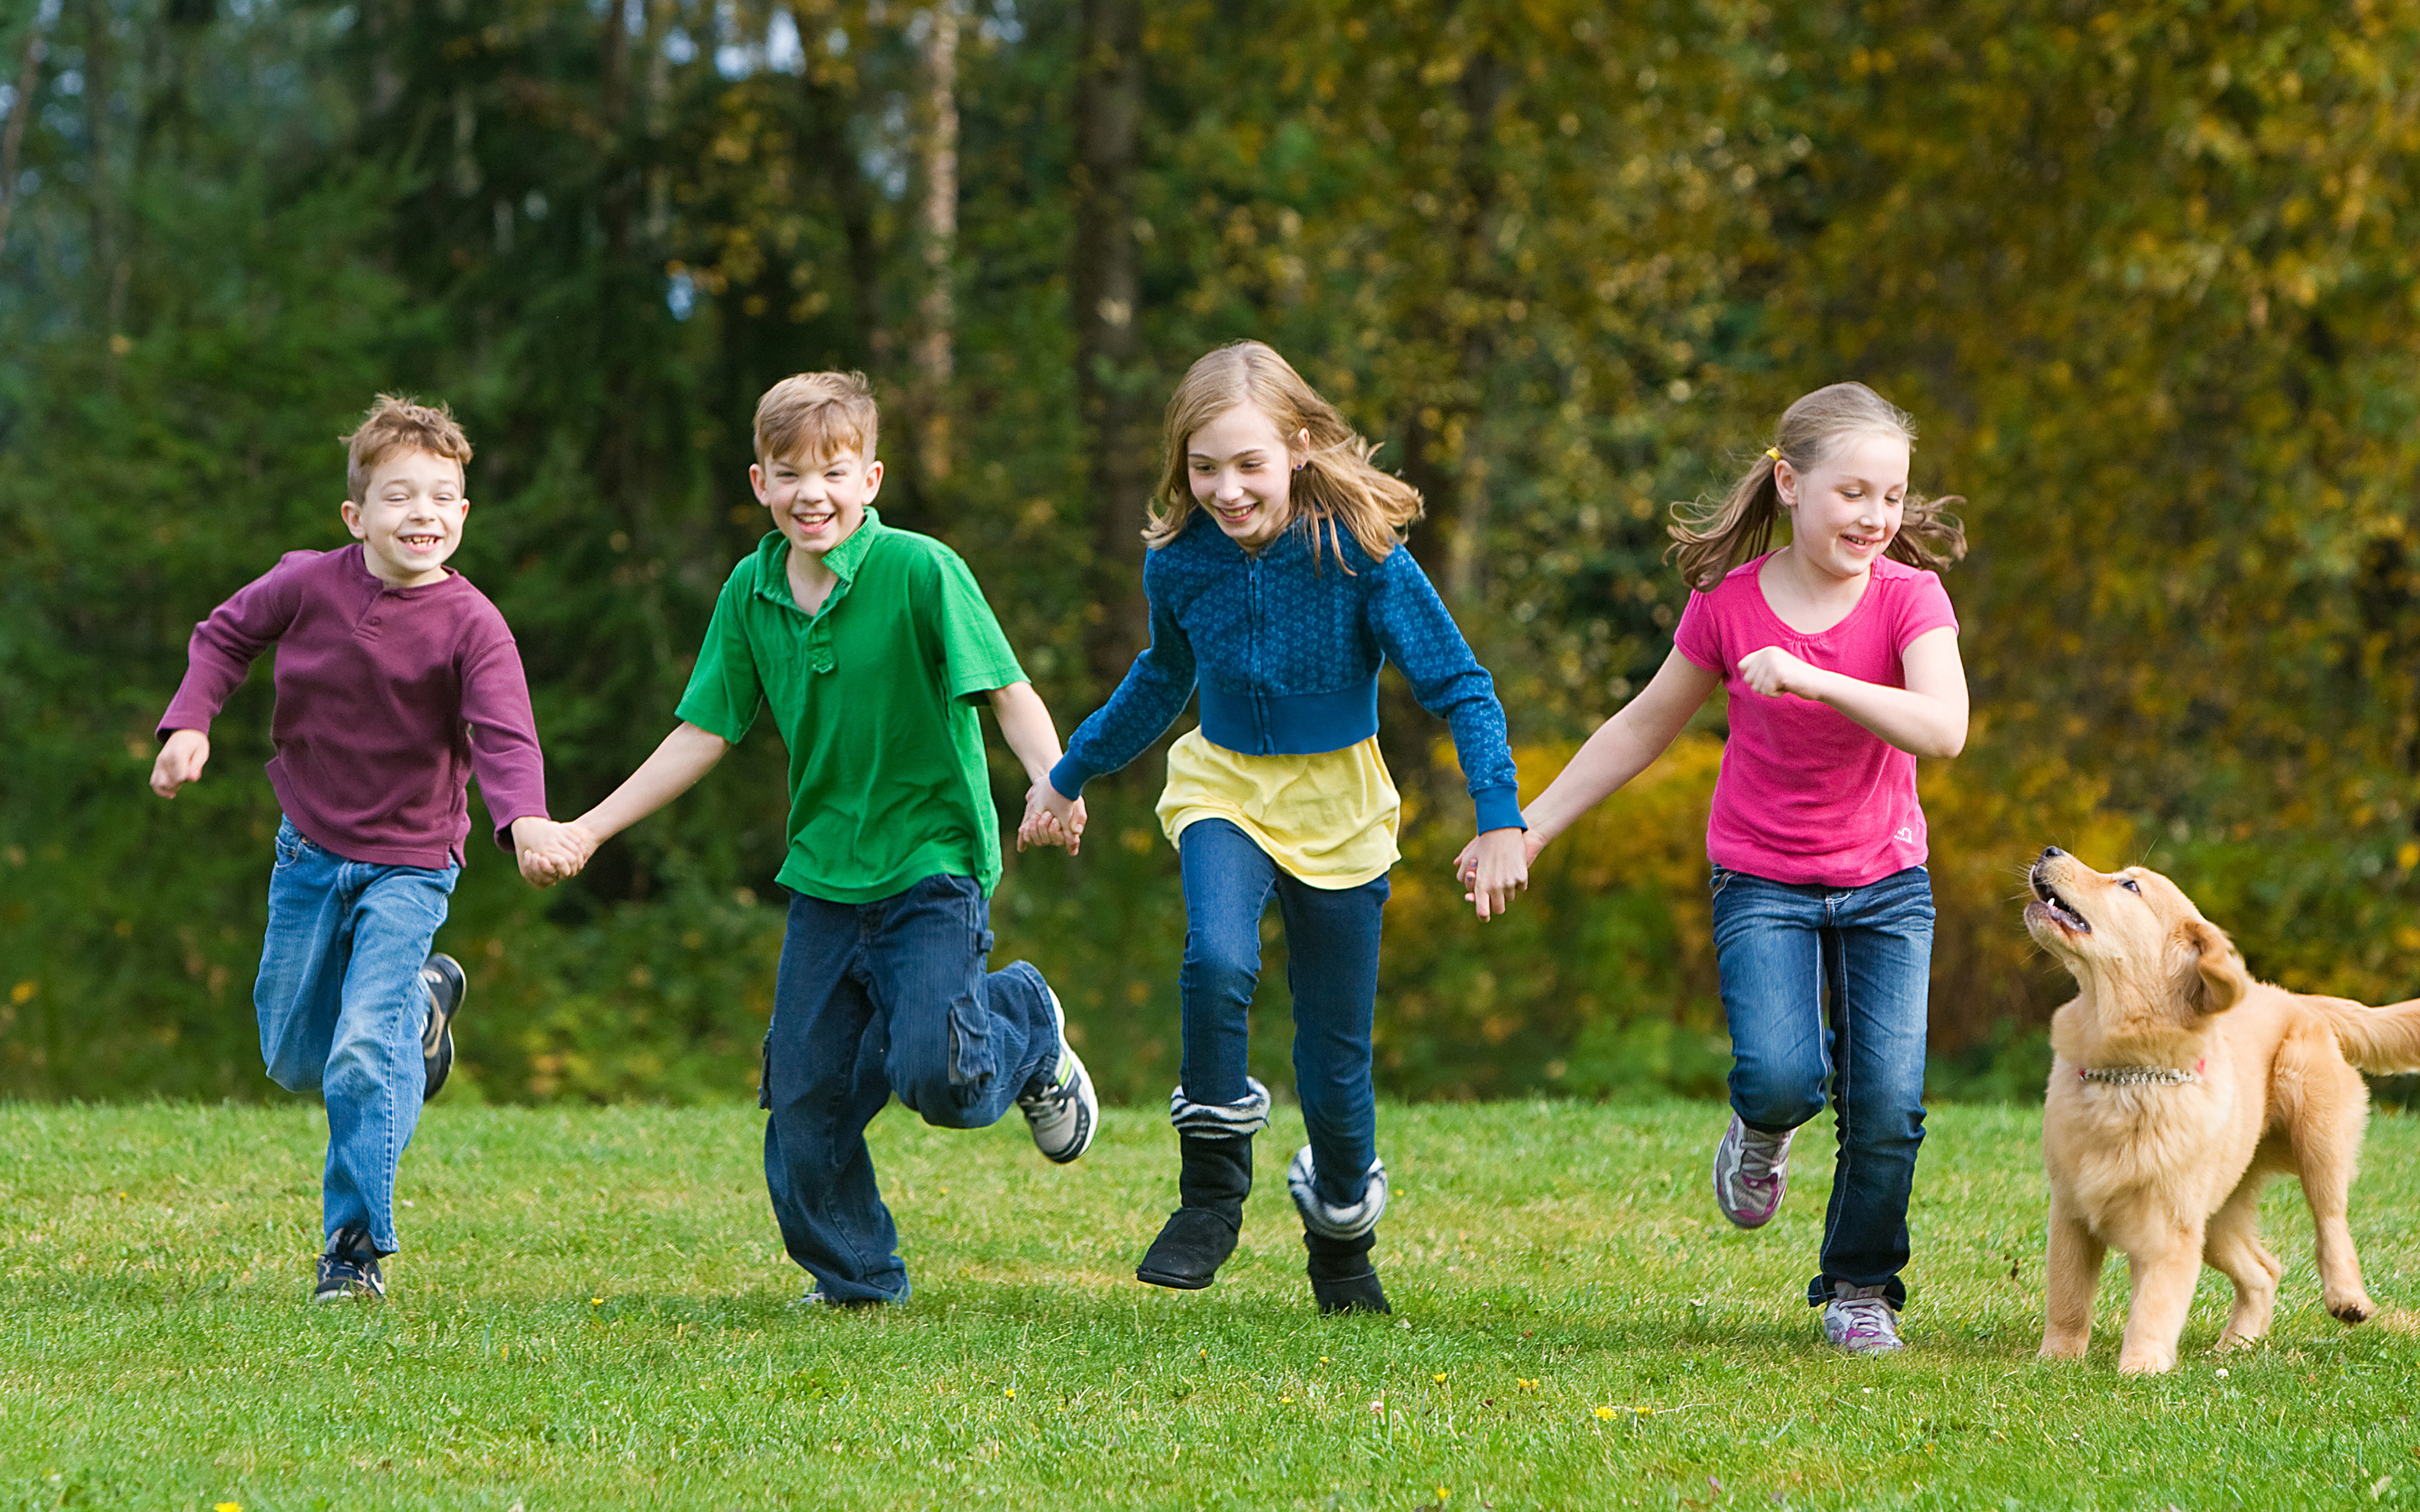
{"x":1825,"y":989}
{"x":1332,"y":969}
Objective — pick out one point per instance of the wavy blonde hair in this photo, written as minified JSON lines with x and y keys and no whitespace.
{"x":1709,"y":539}
{"x":1337,"y":485}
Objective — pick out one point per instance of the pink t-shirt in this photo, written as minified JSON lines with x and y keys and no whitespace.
{"x":1806,"y":794}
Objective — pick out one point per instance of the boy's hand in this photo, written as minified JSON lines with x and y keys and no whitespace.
{"x":549,"y":853}
{"x":181,"y":760}
{"x":1494,"y":867}
{"x":1051,"y":818}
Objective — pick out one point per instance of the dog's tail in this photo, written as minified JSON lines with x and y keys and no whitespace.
{"x":2376,"y":1038}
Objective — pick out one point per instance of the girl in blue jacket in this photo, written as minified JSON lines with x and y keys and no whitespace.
{"x":1278,"y":585}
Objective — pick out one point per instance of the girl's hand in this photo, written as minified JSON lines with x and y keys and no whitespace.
{"x":1774,"y":672}
{"x":1051,"y":818}
{"x":1493,"y":867}
{"x":181,"y":760}
{"x":1466,"y":864}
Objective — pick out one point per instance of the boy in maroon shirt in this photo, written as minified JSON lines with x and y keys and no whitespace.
{"x":396,"y":682}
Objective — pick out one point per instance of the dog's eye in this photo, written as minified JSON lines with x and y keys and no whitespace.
{"x":2130,"y":885}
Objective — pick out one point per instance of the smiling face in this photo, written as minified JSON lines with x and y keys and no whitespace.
{"x":1845,"y":510}
{"x":1241,"y":471}
{"x":817,"y":504}
{"x":410,"y":518}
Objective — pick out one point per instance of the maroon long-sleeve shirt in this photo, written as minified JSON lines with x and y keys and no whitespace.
{"x":389,"y":700}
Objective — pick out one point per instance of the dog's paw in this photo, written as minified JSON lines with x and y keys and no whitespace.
{"x":2146,"y":1365}
{"x":2356,"y":1308}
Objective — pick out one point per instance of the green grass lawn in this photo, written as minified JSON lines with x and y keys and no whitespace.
{"x":594,"y":1311}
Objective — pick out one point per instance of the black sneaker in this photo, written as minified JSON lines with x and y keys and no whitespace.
{"x":442,"y":976}
{"x":350,"y":1269}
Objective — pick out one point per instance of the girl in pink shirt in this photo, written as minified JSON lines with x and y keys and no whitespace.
{"x":1838,"y":652}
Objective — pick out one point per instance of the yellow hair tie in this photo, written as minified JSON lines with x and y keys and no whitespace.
{"x":1773,"y":453}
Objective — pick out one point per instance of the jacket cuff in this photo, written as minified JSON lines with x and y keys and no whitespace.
{"x":1070,"y":775}
{"x":1499,"y":808}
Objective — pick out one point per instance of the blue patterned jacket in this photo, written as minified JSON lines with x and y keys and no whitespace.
{"x":1285,"y":651}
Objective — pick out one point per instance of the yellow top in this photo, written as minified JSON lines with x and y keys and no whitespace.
{"x":1330,"y":819}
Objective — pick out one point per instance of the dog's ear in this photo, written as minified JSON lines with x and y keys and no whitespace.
{"x":2215,"y":980}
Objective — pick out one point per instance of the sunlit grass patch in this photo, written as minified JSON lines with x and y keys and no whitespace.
{"x":592,"y":1310}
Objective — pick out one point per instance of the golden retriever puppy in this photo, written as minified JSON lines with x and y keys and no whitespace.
{"x":2179,"y":1087}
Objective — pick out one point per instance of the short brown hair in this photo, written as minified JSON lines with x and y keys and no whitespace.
{"x":396,"y":424}
{"x":813,"y":415}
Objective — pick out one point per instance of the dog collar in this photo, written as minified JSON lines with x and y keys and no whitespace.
{"x":2138,"y":1076}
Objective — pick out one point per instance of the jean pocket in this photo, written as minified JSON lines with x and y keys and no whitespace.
{"x":290,"y":846}
{"x":1721,"y":879}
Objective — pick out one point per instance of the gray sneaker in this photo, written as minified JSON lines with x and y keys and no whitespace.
{"x":1752,"y":1172}
{"x":1858,"y":1320}
{"x":1060,"y":1105}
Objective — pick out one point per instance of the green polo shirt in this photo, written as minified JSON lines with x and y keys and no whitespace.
{"x":874,"y":695}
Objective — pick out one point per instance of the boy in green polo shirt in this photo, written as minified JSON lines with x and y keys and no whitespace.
{"x":872,"y":646}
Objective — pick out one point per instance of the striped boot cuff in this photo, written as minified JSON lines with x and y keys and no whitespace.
{"x":1329,"y":1222}
{"x":1221,"y":1120}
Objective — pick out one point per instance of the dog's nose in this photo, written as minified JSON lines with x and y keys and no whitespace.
{"x":2052,"y":853}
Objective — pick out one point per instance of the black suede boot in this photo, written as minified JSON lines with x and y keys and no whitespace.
{"x":1342,"y":1280}
{"x":1215,"y":1177}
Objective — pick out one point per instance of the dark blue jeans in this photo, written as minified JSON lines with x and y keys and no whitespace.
{"x":1826,"y":990}
{"x":1332,"y":968}
{"x":341,"y":1005}
{"x":871,"y":999}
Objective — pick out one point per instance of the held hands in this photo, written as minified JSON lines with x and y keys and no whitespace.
{"x":1494,"y":867}
{"x":1051,"y":818}
{"x":181,"y":760}
{"x":1774,"y":672}
{"x":549,"y":853}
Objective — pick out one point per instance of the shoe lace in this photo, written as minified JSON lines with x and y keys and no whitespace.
{"x":1864,"y":1318}
{"x":1760,"y":1154}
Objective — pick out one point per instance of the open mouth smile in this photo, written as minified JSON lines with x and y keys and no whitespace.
{"x":2061,"y":912}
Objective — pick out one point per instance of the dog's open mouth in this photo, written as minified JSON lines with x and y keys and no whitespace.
{"x":2061,"y":912}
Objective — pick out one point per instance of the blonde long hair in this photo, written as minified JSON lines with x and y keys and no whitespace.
{"x":1337,"y":485}
{"x":1710,"y":539}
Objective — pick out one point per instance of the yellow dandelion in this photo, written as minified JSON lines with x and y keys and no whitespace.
{"x":1526,"y":1383}
{"x":226,"y":1506}
{"x":1438,"y":1377}
{"x":596,"y":1302}
{"x":1323,"y":1359}
{"x":1442,"y":1493}
{"x":1605,"y":1412}
{"x":1285,"y":1401}
{"x":1010,"y":1393}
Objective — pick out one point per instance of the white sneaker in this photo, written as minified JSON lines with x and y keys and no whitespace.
{"x":1751,"y":1173}
{"x":1061,"y":1108}
{"x":1858,"y":1320}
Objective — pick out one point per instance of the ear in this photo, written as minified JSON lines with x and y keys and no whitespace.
{"x":2215,"y":981}
{"x":352,"y":513}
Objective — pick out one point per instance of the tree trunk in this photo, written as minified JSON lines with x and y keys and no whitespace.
{"x":936,"y":314}
{"x":1446,"y":458}
{"x":29,"y":74}
{"x":825,"y":138}
{"x":1104,"y":286}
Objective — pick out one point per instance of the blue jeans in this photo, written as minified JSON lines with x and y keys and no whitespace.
{"x":871,"y":999}
{"x":1332,"y":968}
{"x":1825,"y":990}
{"x":341,"y":1008}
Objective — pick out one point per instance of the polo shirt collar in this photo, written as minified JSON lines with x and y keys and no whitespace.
{"x":843,"y":561}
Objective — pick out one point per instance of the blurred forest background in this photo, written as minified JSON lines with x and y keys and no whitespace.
{"x":2145,"y":274}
